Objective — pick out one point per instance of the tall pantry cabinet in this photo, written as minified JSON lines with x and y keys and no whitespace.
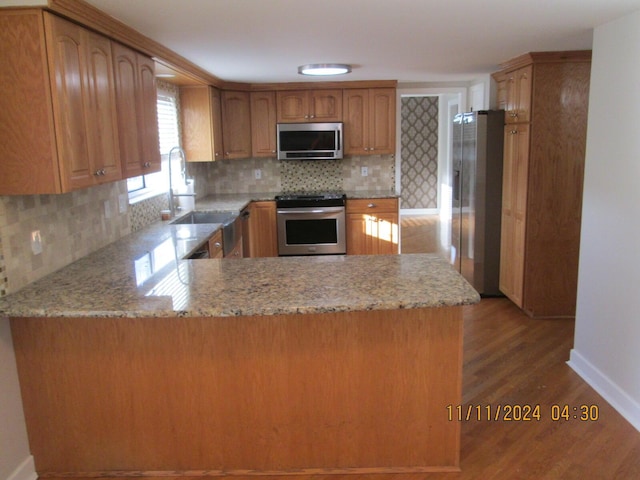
{"x":545,"y":97}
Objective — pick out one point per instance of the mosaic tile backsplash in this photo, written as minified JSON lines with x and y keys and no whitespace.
{"x":238,"y":176}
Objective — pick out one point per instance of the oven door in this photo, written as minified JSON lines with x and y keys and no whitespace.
{"x":311,"y":231}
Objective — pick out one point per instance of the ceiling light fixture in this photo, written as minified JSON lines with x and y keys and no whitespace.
{"x":324,"y":69}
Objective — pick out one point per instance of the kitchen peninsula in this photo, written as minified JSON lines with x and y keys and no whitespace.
{"x":134,"y":362}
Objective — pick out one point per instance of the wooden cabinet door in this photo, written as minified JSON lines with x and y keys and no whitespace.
{"x":369,"y":121}
{"x":372,"y":234}
{"x":514,"y":211}
{"x":325,"y":105}
{"x":518,"y":95}
{"x":263,"y":233}
{"x":102,"y":114}
{"x":136,"y":101}
{"x":293,"y":106}
{"x":200,"y":112}
{"x":215,"y":245}
{"x":126,"y":77}
{"x":382,"y":121}
{"x":236,"y":124}
{"x":356,"y":121}
{"x":298,"y":106}
{"x":215,"y":104}
{"x":69,"y":96}
{"x":148,"y":115}
{"x":263,"y":124}
{"x":372,"y":226}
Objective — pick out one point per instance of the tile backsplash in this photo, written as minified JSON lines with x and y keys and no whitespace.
{"x":75,"y":224}
{"x":239,"y":176}
{"x":71,"y":226}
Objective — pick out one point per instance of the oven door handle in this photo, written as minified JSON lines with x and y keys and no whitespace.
{"x":292,"y":211}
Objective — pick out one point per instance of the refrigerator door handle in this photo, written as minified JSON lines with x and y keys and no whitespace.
{"x":456,"y":185}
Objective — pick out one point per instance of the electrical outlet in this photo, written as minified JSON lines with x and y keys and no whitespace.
{"x":364,"y":171}
{"x":36,"y":242}
{"x":257,"y":173}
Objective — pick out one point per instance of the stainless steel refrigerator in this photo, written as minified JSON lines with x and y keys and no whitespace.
{"x":477,"y":198}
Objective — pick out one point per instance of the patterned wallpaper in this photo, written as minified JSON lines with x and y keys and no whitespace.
{"x":419,"y":168}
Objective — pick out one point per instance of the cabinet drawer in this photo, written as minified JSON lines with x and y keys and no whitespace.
{"x":369,"y":205}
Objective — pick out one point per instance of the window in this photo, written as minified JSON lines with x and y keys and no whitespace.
{"x":169,"y":135}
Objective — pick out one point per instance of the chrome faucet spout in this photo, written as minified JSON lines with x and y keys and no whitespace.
{"x":183,"y":174}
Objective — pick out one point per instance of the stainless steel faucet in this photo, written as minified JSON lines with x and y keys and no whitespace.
{"x":183,"y":174}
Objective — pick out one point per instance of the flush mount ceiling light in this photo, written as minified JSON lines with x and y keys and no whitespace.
{"x":324,"y":69}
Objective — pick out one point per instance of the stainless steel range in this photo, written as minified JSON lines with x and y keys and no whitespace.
{"x":311,"y":224}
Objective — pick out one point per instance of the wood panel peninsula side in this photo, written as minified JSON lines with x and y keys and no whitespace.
{"x":263,"y":366}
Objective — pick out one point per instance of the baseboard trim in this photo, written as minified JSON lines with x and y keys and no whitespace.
{"x":612,"y":393}
{"x":25,"y":471}
{"x":308,"y":472}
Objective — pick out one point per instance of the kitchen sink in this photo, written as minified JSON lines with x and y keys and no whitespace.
{"x":205,"y":217}
{"x":231,"y":229}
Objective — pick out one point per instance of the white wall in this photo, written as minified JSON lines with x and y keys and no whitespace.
{"x":16,"y":462}
{"x":607,"y":339}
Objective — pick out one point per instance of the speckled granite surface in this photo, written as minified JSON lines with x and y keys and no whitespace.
{"x":143,"y":275}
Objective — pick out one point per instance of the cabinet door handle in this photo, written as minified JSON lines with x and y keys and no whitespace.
{"x":217,"y":245}
{"x":147,"y":164}
{"x":371,"y":205}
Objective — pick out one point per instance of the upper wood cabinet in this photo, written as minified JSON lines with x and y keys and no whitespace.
{"x":263,"y":124}
{"x":518,"y":95}
{"x":236,"y":124}
{"x":136,"y":99}
{"x":200,"y":113}
{"x":544,"y":152}
{"x":58,"y":108}
{"x":369,"y":121}
{"x":299,"y":106}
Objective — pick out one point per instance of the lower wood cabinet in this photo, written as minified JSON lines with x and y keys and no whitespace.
{"x":215,"y":245}
{"x":372,"y":226}
{"x":260,"y":235}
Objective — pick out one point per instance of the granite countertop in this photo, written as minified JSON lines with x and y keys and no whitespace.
{"x":144,"y":275}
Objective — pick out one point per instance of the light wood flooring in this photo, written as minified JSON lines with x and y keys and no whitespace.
{"x":421,"y":234}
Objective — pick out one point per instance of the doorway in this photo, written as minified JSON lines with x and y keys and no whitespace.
{"x":424,"y":167}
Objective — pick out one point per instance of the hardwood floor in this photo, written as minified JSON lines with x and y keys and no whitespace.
{"x":511,"y":359}
{"x":421,"y":234}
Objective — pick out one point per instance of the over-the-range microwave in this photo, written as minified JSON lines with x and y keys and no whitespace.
{"x":309,"y":141}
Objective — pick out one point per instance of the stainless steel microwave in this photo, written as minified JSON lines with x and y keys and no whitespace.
{"x":309,"y":141}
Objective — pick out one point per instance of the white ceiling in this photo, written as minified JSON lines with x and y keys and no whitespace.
{"x":258,"y":41}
